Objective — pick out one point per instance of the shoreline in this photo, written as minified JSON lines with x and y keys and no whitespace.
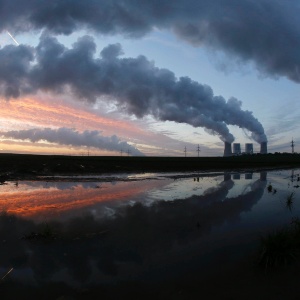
{"x":34,"y":167}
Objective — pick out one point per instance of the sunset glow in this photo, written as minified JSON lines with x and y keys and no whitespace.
{"x":40,"y":203}
{"x":192,"y":90}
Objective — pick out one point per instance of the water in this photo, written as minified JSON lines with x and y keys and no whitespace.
{"x":153,"y":235}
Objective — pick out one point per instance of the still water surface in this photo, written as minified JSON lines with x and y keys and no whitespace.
{"x":154,"y":234}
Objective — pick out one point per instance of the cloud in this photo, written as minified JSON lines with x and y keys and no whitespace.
{"x":71,"y":137}
{"x":135,"y":85}
{"x":263,"y":31}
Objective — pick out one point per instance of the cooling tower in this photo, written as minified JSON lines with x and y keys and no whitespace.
{"x":263,"y":176}
{"x":236,"y":176}
{"x":263,"y":148}
{"x":248,"y":176}
{"x":227,"y":176}
{"x":227,"y":149}
{"x":249,"y":148}
{"x":236,"y":148}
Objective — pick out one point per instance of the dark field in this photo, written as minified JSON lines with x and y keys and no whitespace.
{"x":23,"y":165}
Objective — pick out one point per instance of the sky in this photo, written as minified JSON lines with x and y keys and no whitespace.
{"x":111,"y":77}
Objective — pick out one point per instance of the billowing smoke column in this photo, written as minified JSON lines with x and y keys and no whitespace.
{"x":135,"y":85}
{"x":263,"y":31}
{"x":71,"y":137}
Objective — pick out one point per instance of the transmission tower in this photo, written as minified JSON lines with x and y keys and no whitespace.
{"x":198,"y":150}
{"x":292,"y":145}
{"x":184,"y":151}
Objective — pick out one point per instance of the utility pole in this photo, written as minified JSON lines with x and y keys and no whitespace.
{"x":184,"y":151}
{"x":292,"y":145}
{"x":121,"y":152}
{"x":198,"y":150}
{"x":128,"y":152}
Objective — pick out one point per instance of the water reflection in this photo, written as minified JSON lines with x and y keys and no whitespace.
{"x":146,"y":240}
{"x":43,"y":200}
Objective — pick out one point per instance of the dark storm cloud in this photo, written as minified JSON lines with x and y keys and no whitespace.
{"x":71,"y":137}
{"x":264,"y":31}
{"x":135,"y":85}
{"x":14,"y":69}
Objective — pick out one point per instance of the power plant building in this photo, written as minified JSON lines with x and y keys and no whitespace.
{"x":249,"y":148}
{"x":263,"y":148}
{"x":227,"y":149}
{"x":237,"y":149}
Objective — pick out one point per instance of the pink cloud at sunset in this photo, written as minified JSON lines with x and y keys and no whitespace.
{"x":44,"y":111}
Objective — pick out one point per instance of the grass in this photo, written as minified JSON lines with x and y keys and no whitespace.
{"x":9,"y":271}
{"x":280,"y":248}
{"x":277,"y":249}
{"x":270,"y":188}
{"x":290,"y":200}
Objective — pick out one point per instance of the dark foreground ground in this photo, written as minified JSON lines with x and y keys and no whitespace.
{"x":21,"y":165}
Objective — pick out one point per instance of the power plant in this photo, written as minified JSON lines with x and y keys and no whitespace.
{"x":237,"y":149}
{"x":228,"y":151}
{"x":249,"y":148}
{"x":263,"y":148}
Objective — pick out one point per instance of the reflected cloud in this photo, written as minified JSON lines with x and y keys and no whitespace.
{"x":141,"y":240}
{"x":44,"y":201}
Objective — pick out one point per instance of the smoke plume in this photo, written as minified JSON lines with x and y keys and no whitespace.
{"x":135,"y":85}
{"x":263,"y":31}
{"x":71,"y":137}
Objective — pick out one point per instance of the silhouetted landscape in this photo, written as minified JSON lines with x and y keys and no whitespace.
{"x":25,"y":165}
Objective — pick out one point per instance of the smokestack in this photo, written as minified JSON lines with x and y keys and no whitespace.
{"x":248,"y":176}
{"x":263,"y":176}
{"x":227,"y":176}
{"x":236,"y":176}
{"x":249,"y":148}
{"x":263,"y":148}
{"x":227,"y":149}
{"x":237,"y":149}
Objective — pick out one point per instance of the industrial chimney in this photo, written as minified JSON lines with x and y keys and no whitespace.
{"x":227,"y":149}
{"x":263,"y":176}
{"x":237,"y":149}
{"x":249,"y":148}
{"x":227,"y":176}
{"x":263,"y":148}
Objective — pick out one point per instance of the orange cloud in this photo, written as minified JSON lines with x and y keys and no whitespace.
{"x":58,"y":113}
{"x":47,"y":111}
